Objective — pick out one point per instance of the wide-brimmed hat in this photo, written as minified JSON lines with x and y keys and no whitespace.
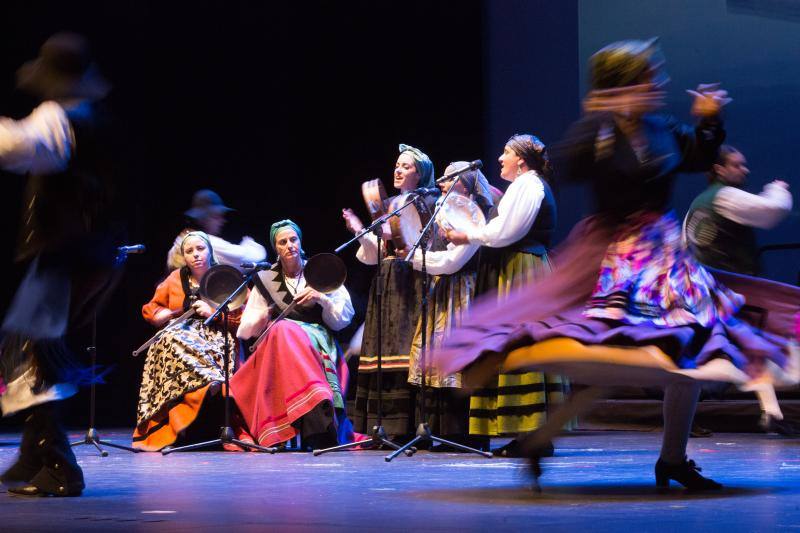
{"x":204,"y":203}
{"x":64,"y":69}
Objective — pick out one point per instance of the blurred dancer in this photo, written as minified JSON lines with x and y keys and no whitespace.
{"x":623,"y":283}
{"x":66,"y":236}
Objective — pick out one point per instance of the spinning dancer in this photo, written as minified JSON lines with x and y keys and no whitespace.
{"x":626,"y":303}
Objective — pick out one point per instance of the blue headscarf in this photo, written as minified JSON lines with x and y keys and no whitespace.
{"x":423,"y":164}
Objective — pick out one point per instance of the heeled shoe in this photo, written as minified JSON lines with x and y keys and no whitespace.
{"x":516,"y":449}
{"x":686,"y":473}
{"x":32,"y":491}
{"x":771,"y":424}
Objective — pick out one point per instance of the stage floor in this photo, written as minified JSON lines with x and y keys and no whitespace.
{"x":598,"y":481}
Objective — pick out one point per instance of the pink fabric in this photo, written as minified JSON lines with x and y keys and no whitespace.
{"x":282,"y":381}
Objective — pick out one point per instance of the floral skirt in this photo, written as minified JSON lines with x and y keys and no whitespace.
{"x":184,"y":359}
{"x":633,"y":286}
{"x":648,"y":277}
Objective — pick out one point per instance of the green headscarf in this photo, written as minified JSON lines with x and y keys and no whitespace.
{"x":423,"y":163}
{"x":202,"y":235}
{"x":279,"y":225}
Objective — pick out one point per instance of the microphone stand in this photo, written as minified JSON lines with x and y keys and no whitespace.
{"x":423,"y":429}
{"x":91,"y":436}
{"x":226,"y":435}
{"x":378,"y":436}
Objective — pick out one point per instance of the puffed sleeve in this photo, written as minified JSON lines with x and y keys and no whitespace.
{"x":337,"y":309}
{"x":254,"y":317}
{"x":516,"y":213}
{"x":448,"y":261}
{"x":41,"y":143}
{"x":248,"y":251}
{"x":368,"y":250}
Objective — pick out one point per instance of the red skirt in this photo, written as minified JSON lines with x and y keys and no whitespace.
{"x":282,"y":381}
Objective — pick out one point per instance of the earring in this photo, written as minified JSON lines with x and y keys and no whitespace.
{"x":519,"y":170}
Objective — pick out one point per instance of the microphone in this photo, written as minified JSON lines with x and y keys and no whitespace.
{"x":132,"y":249}
{"x":424,"y":191}
{"x":475,"y":165}
{"x":261,"y":265}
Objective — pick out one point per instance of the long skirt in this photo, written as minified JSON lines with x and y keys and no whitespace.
{"x":449,"y":299}
{"x":401,"y":295}
{"x":284,"y":388}
{"x":179,"y":368}
{"x":517,"y":402}
{"x":633,"y":286}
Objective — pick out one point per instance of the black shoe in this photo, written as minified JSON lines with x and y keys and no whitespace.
{"x":516,"y":449}
{"x":686,"y":473}
{"x":32,"y":491}
{"x":771,"y":424}
{"x":700,"y":432}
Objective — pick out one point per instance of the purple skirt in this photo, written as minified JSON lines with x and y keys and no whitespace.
{"x":633,"y":286}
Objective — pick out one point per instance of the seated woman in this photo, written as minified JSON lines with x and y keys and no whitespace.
{"x":295,"y":381}
{"x":187,"y":360}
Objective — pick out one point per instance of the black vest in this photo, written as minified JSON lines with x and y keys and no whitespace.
{"x":540,"y":235}
{"x":71,"y":210}
{"x":719,"y":242}
{"x":271,"y":284}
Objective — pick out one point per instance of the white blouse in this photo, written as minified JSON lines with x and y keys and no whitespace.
{"x":41,"y":143}
{"x":448,"y":261}
{"x":763,"y":210}
{"x":516,"y":213}
{"x":227,"y":253}
{"x":337,"y":310}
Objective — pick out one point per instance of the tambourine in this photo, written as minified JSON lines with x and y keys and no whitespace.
{"x":460,"y":213}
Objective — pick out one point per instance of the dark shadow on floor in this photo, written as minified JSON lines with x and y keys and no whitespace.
{"x":572,"y":494}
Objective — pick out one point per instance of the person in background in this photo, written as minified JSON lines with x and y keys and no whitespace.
{"x":720,"y":225}
{"x":207,"y":214}
{"x":719,"y":229}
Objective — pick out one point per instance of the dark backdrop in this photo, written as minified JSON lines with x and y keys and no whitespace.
{"x":286,"y":109}
{"x":283,"y":108}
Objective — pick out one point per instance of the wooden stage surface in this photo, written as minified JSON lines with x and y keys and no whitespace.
{"x":598,"y":481}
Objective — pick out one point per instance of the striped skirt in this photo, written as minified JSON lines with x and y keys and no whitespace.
{"x":518,"y":402}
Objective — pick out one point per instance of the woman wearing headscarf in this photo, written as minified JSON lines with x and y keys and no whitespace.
{"x":295,"y":381}
{"x":400,"y":309}
{"x":627,"y":302}
{"x":513,"y":254}
{"x":186,"y":362}
{"x":454,"y":272}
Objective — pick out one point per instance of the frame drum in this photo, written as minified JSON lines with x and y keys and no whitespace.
{"x":459,"y":213}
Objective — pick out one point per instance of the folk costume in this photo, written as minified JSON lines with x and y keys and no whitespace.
{"x":295,"y":382}
{"x":184,"y":366}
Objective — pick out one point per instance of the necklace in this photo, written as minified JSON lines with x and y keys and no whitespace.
{"x":297,"y":279}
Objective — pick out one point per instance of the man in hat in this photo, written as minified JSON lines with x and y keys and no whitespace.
{"x":208,"y":214}
{"x":68,"y":240}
